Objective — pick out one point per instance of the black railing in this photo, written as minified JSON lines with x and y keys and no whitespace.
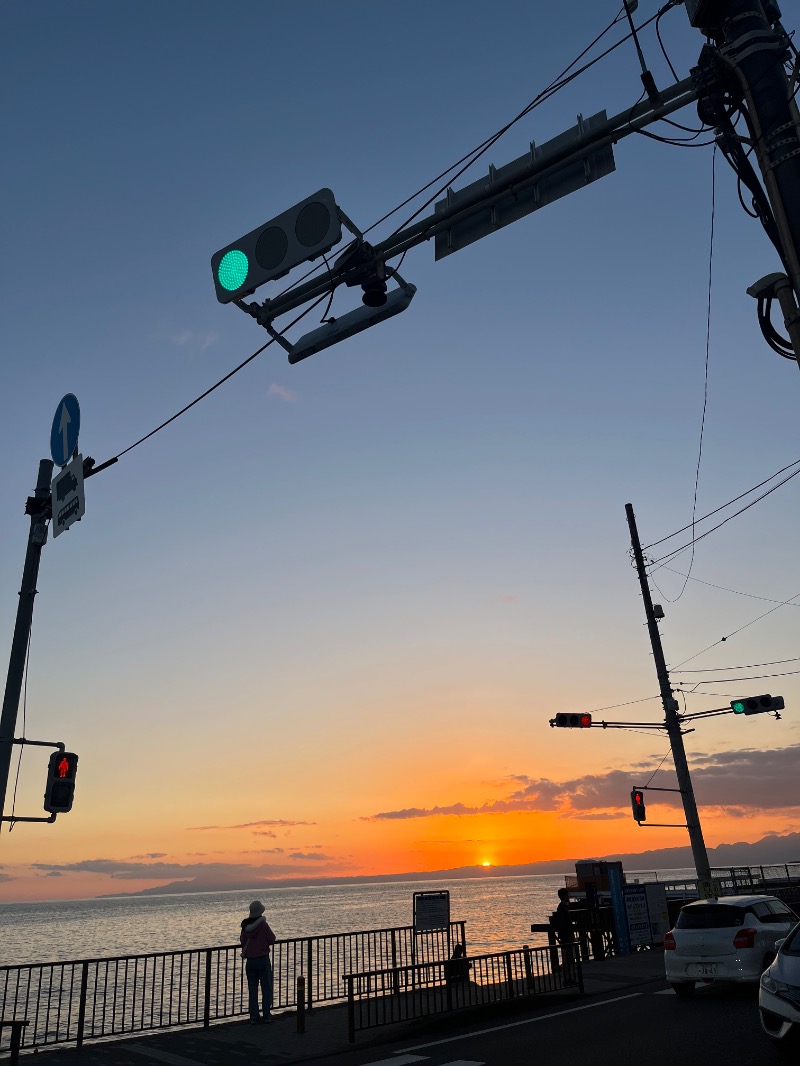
{"x":403,"y":993}
{"x":90,"y":999}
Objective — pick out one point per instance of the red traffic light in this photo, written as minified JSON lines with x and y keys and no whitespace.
{"x":637,"y":805}
{"x":573,"y":721}
{"x":60,"y":788}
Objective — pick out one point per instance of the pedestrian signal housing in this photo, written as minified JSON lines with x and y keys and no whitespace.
{"x":573,"y":721}
{"x":60,"y":788}
{"x":637,"y":805}
{"x":305,"y":231}
{"x":757,"y":704}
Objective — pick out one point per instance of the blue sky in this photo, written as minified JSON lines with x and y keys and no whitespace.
{"x":369,"y":580}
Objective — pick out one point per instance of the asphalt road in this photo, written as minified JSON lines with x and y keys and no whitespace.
{"x":648,"y":1028}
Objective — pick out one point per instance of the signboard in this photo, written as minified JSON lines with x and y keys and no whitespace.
{"x":67,"y":497}
{"x":615,"y":886}
{"x":64,"y":432}
{"x":638,"y":915}
{"x":708,"y":888}
{"x":431,"y":911}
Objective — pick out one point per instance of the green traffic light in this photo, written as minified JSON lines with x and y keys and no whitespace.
{"x":738,"y":707}
{"x":232,"y":270}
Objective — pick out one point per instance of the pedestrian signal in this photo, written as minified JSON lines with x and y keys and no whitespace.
{"x":637,"y":805}
{"x":60,"y":788}
{"x":757,"y":704}
{"x":573,"y":721}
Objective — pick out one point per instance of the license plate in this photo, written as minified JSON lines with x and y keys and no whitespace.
{"x":703,"y":969}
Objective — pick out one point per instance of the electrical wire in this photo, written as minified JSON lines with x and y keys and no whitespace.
{"x":735,"y":592}
{"x":671,"y":555}
{"x":755,"y":677}
{"x":663,"y":11}
{"x":221,"y":381}
{"x":555,"y":86}
{"x":708,"y":348}
{"x":470,"y":157}
{"x":722,"y":640}
{"x":741,"y":496}
{"x":742,"y":666}
{"x":669,"y":752}
{"x":628,"y":703}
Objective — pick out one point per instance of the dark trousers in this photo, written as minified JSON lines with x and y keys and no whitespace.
{"x":567,"y":946}
{"x":259,"y":974}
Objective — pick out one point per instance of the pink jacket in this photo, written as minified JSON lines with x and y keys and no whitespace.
{"x":256,"y":938}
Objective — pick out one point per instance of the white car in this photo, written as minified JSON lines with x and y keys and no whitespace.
{"x":727,"y":939}
{"x":779,"y":994}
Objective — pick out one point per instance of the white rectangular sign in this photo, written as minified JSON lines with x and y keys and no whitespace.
{"x":67,"y":497}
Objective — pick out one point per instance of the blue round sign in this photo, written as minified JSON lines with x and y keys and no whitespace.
{"x":64,"y":434}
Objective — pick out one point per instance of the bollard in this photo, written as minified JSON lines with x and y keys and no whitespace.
{"x":301,"y":1004}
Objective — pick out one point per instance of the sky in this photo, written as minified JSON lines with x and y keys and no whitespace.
{"x":318,"y":625}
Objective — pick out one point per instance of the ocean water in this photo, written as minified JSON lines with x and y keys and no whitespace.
{"x":498,"y":912}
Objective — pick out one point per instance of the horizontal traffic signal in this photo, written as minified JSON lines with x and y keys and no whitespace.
{"x":757,"y":704}
{"x":60,"y":788}
{"x":305,"y":231}
{"x":573,"y":721}
{"x":637,"y":805}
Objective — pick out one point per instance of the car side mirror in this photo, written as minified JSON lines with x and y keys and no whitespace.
{"x":779,"y":943}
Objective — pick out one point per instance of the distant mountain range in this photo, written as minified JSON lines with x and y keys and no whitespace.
{"x":767,"y":851}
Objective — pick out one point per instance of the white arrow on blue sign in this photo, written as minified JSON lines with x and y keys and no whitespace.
{"x":64,"y":434}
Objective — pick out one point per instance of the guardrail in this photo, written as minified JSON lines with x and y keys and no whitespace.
{"x":91,"y":999}
{"x":403,"y":993}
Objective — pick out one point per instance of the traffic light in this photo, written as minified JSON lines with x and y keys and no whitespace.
{"x":305,"y":231}
{"x":637,"y":804}
{"x":757,"y":704}
{"x":60,"y":788}
{"x":573,"y":721}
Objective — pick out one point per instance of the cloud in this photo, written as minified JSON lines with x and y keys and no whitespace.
{"x":125,"y":870}
{"x":279,"y":822}
{"x":186,"y":337}
{"x":151,"y":855}
{"x":738,"y":781}
{"x":314,"y":856}
{"x":287,"y":395}
{"x":6,"y":877}
{"x":506,"y":597}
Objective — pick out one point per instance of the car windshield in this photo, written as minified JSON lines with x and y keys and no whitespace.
{"x":791,"y":945}
{"x":710,"y":916}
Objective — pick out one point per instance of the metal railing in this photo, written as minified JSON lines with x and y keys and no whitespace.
{"x":403,"y":993}
{"x":91,"y":999}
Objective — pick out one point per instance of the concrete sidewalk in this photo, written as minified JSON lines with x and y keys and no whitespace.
{"x":241,"y":1044}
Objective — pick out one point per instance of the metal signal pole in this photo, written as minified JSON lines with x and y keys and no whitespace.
{"x":671,"y":721}
{"x":38,"y":507}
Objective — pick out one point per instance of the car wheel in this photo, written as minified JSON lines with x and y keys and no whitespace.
{"x":683,"y":989}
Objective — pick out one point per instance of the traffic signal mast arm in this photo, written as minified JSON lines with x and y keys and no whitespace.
{"x":349,"y":269}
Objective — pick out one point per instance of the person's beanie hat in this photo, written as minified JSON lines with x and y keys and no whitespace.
{"x":256,"y":908}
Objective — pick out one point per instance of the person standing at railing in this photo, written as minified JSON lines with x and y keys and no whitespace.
{"x":565,"y":933}
{"x":256,"y":939}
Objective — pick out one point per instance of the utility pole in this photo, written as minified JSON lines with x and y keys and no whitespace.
{"x":748,"y":59}
{"x":671,"y":720}
{"x":38,"y":507}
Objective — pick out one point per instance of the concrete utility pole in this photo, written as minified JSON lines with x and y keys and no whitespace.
{"x":38,"y":507}
{"x":671,"y":720}
{"x":750,"y":49}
